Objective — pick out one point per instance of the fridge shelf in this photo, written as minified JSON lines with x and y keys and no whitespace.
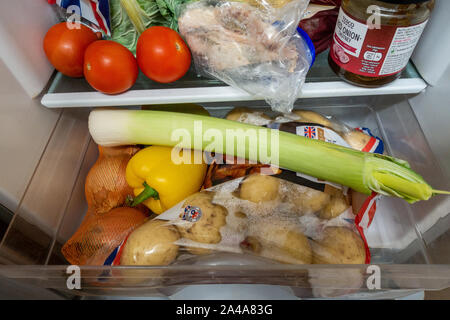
{"x":65,"y":92}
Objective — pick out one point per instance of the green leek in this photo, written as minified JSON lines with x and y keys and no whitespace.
{"x":135,"y":14}
{"x":361,"y":171}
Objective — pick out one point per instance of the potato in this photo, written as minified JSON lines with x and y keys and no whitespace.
{"x":238,"y":113}
{"x":358,"y":200}
{"x":151,"y":244}
{"x":280,"y":241}
{"x":334,"y":208}
{"x":357,"y":139}
{"x":332,"y":191}
{"x":207,"y":228}
{"x":247,"y":115}
{"x":337,"y":204}
{"x":259,"y":188}
{"x":306,"y":200}
{"x":339,"y":245}
{"x":314,"y":200}
{"x":312,"y":117}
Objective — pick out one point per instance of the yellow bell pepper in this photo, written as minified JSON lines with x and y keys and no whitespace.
{"x":158,"y":182}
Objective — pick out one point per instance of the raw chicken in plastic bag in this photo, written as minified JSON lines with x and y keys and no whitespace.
{"x":257,"y":48}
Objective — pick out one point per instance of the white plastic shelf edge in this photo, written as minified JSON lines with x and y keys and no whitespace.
{"x":220,"y":94}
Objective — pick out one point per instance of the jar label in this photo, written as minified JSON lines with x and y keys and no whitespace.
{"x":373,"y":52}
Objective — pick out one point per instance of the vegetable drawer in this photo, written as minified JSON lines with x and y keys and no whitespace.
{"x":408,"y":242}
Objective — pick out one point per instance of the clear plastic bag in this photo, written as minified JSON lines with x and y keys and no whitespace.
{"x":254,"y":47}
{"x":327,"y":128}
{"x":257,"y":215}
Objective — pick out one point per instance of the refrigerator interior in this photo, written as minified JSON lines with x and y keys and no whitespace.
{"x":409,"y":243}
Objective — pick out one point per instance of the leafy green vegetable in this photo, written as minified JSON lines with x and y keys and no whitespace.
{"x":122,"y":30}
{"x":129,"y":18}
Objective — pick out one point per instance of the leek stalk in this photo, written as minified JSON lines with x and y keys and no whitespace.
{"x":361,"y":171}
{"x":135,"y":14}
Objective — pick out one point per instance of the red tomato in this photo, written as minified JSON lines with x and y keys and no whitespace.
{"x":162,"y":55}
{"x":65,"y":47}
{"x":109,"y":67}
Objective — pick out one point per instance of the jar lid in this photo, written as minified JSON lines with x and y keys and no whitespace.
{"x":404,"y":1}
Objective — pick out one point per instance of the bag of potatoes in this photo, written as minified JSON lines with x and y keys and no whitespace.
{"x":259,"y":215}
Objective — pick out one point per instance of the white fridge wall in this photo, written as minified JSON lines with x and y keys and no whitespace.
{"x":431,"y":56}
{"x":432,"y":110}
{"x":23,"y":25}
{"x":25,"y":128}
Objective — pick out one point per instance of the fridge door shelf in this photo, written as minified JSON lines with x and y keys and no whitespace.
{"x":321,"y":82}
{"x":408,"y":242}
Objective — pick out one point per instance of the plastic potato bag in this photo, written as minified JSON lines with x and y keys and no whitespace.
{"x":256,"y":215}
{"x":254,"y":47}
{"x":313,"y":125}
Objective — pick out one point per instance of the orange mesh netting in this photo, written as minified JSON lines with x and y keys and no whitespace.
{"x":106,"y":186}
{"x":106,"y":222}
{"x":98,"y":236}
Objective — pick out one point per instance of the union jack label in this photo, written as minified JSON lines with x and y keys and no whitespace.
{"x":192,"y":213}
{"x":309,"y":132}
{"x":95,"y":11}
{"x":375,"y":144}
{"x":114,"y":258}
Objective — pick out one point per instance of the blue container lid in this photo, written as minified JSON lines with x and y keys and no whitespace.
{"x":309,"y":43}
{"x":305,"y":38}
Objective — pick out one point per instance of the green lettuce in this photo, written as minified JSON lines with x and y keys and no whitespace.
{"x":129,"y":18}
